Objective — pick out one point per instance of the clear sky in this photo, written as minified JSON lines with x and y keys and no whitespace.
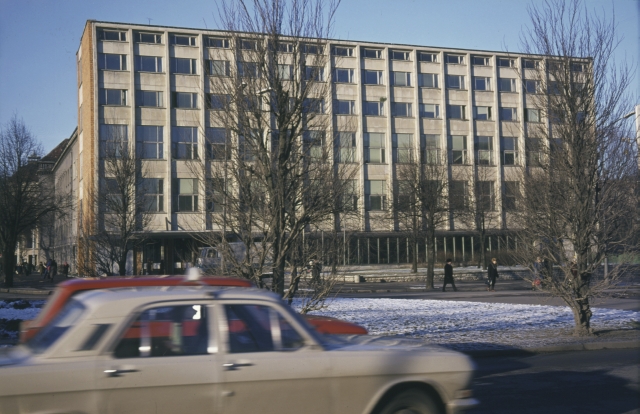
{"x":39,"y":40}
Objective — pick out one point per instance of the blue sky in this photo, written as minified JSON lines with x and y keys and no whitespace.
{"x":39,"y":39}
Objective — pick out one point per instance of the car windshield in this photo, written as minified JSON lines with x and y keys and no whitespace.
{"x":64,"y":320}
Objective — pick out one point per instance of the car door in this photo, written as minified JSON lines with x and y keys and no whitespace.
{"x":269,"y":364}
{"x":163,"y":362}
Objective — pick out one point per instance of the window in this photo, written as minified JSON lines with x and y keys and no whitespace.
{"x":313,"y":49}
{"x":116,"y":97}
{"x":153,"y":191}
{"x":113,"y":35}
{"x":217,"y":67}
{"x":185,"y":192}
{"x":113,"y":201}
{"x":343,"y":51}
{"x":218,"y":145}
{"x":285,"y":47}
{"x":148,"y":37}
{"x":184,"y":66}
{"x":481,"y":83}
{"x":150,"y":141}
{"x":402,"y":109}
{"x":578,"y":67}
{"x":556,"y":116}
{"x":314,"y":145}
{"x":149,"y":98}
{"x":110,"y":61}
{"x":554,"y":88}
{"x":427,"y":57}
{"x":403,"y":148}
{"x":484,"y":196}
{"x":71,"y":313}
{"x":341,"y":107}
{"x":509,"y":150}
{"x":554,"y":66}
{"x":314,"y":73}
{"x":429,"y":110}
{"x":430,"y":144}
{"x":246,"y":146}
{"x":113,"y":140}
{"x":372,"y":53}
{"x":344,"y":75}
{"x":217,"y":102}
{"x":481,"y":60}
{"x":404,"y":197}
{"x":185,"y":100}
{"x":506,"y":62}
{"x":183,"y":40}
{"x":457,"y":195}
{"x":400,"y":55}
{"x":149,"y":64}
{"x":508,"y":114}
{"x":401,"y":78}
{"x":532,"y":86}
{"x":456,"y":112}
{"x":348,"y":200}
{"x":484,"y":150}
{"x":454,"y":59}
{"x":458,"y":149}
{"x":531,"y":64}
{"x":373,"y":108}
{"x":248,"y":69}
{"x":184,"y":143}
{"x":217,"y":42}
{"x":313,"y":106}
{"x":215,"y":195}
{"x":531,"y":115}
{"x":428,"y":80}
{"x":507,"y":85}
{"x":511,"y":193}
{"x":455,"y":81}
{"x":374,"y":192}
{"x":482,"y":113}
{"x":246,"y":44}
{"x":374,"y":148}
{"x":372,"y":77}
{"x":346,"y":142}
{"x":176,"y":330}
{"x":534,"y":152}
{"x":285,"y":72}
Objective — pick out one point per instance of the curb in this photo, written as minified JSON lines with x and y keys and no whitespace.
{"x":26,"y":291}
{"x":588,"y":346}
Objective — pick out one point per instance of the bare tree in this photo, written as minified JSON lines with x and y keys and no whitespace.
{"x":25,"y":200}
{"x":578,"y":188}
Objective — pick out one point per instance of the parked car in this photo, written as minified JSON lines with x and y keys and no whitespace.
{"x":67,"y":289}
{"x":230,"y":350}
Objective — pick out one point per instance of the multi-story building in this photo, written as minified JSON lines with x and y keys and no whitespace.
{"x":471,"y":105}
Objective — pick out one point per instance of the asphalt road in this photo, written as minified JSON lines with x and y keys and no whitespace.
{"x":603,"y":382}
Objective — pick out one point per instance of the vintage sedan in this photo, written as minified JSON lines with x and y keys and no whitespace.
{"x":202,"y":349}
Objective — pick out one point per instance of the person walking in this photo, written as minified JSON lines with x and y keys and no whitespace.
{"x":492,"y":272}
{"x":41,"y":269}
{"x":54,"y":269}
{"x":65,"y":269}
{"x":448,"y":276}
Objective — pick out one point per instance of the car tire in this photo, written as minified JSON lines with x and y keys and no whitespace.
{"x":410,"y":402}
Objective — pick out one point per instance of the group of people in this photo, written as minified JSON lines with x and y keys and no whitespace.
{"x":492,"y":275}
{"x":50,"y":269}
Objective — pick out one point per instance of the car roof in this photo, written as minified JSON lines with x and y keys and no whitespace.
{"x":117,"y":281}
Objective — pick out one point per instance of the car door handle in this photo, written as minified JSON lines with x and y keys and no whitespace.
{"x":119,"y":372}
{"x":232,"y":366}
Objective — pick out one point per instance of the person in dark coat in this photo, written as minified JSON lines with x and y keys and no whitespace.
{"x":448,"y":276}
{"x":492,"y":272}
{"x":54,"y":269}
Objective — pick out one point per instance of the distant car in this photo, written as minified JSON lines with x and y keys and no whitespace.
{"x":197,"y":349}
{"x":67,"y":289}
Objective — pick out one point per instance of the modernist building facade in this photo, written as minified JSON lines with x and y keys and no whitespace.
{"x":149,"y":83}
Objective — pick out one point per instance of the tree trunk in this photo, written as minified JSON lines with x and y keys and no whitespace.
{"x":483,"y":253}
{"x":278,"y":278}
{"x":431,"y":261}
{"x":122,"y":266}
{"x":580,"y":307}
{"x":9,"y":265}
{"x":414,"y":262}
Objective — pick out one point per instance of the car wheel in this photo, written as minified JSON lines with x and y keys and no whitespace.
{"x":410,"y":402}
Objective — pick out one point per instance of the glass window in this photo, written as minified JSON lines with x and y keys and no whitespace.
{"x":185,"y":192}
{"x":184,"y":66}
{"x":458,"y":149}
{"x":113,"y":35}
{"x":484,"y":195}
{"x":401,"y":78}
{"x":248,"y":69}
{"x":341,"y":107}
{"x":511,"y":193}
{"x":348,"y":200}
{"x":506,"y":62}
{"x":344,"y":75}
{"x":456,"y":112}
{"x":531,"y":115}
{"x":150,"y":141}
{"x":314,"y":145}
{"x":373,"y":108}
{"x":481,"y":83}
{"x":185,"y":100}
{"x":217,"y":42}
{"x":430,"y":144}
{"x":117,"y":97}
{"x":313,"y":106}
{"x":217,"y":67}
{"x":531,"y":64}
{"x":114,"y":140}
{"x":246,"y":44}
{"x":372,"y":77}
{"x":148,"y":37}
{"x":400,"y":55}
{"x":484,"y":150}
{"x":482,"y":113}
{"x":534,"y":152}
{"x":554,"y":88}
{"x":481,"y":60}
{"x":314,"y":73}
{"x":110,"y":61}
{"x":427,"y":57}
{"x":457,"y":195}
{"x":455,"y":81}
{"x":346,"y":143}
{"x":375,"y":195}
{"x":507,"y":85}
{"x":313,"y":49}
{"x":454,"y":59}
{"x":184,"y":143}
{"x":149,"y":98}
{"x":285,"y":72}
{"x":149,"y":63}
{"x":285,"y":47}
{"x":153,"y":191}
{"x":429,"y":110}
{"x":403,"y":148}
{"x":372,"y":53}
{"x":509,"y":150}
{"x":578,"y":67}
{"x":532,"y":86}
{"x":183,"y":40}
{"x":402,"y":109}
{"x":215,"y":195}
{"x":166,"y":331}
{"x":374,"y":148}
{"x":218,"y":145}
{"x":343,"y":51}
{"x":508,"y":114}
{"x":428,"y":80}
{"x":217,"y":102}
{"x":61,"y":323}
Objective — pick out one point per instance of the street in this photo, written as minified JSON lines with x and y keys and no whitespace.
{"x":604,"y":381}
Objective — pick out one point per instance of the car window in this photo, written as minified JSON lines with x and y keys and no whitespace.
{"x":64,"y":320}
{"x":166,"y":331}
{"x":256,"y":328}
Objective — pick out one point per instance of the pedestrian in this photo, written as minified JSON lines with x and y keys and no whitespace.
{"x":448,"y":276}
{"x":65,"y":269}
{"x":47,"y":269}
{"x":54,"y":269}
{"x":537,"y":272}
{"x":41,"y":269}
{"x":492,"y":272}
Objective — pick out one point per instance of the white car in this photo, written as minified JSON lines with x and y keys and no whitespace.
{"x":219,"y":350}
